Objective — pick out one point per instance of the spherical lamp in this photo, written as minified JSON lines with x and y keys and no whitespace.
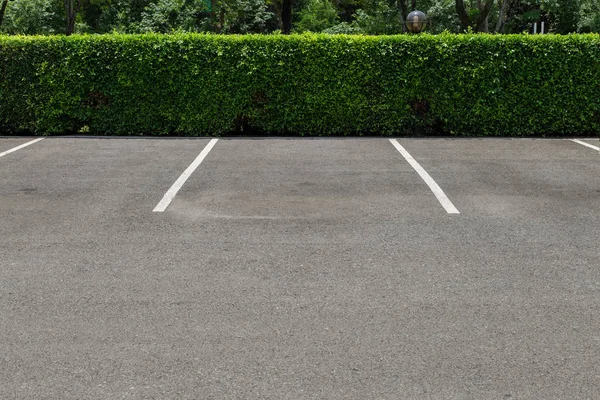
{"x":416,"y":21}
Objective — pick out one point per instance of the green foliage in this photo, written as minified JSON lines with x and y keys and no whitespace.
{"x":563,"y":14}
{"x":32,"y":17}
{"x":373,"y":17}
{"x":248,"y":16}
{"x":123,"y":16}
{"x":168,"y":15}
{"x":344,"y":28}
{"x":443,"y":17}
{"x":589,"y":16}
{"x":379,"y":18}
{"x":317,"y":16}
{"x":191,"y":84}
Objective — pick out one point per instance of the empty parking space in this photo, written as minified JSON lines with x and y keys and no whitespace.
{"x":514,"y":177}
{"x":85,"y":188}
{"x":299,"y":268}
{"x":304,"y":179}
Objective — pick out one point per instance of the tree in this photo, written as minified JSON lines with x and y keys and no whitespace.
{"x":380,"y":17}
{"x":519,"y":16}
{"x":169,"y":15}
{"x":563,"y":15}
{"x":443,"y":17}
{"x":286,"y":16}
{"x":248,"y":16}
{"x":72,"y":7}
{"x":117,"y":15}
{"x":346,"y":9}
{"x":478,"y":20}
{"x":32,"y":17}
{"x":97,"y":16}
{"x":589,"y":16}
{"x":504,"y":10}
{"x":3,"y":10}
{"x":318,"y":16}
{"x":265,"y":16}
{"x":283,"y":11}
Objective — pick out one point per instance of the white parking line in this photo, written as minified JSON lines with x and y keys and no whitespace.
{"x":591,"y":146}
{"x":20,"y":147}
{"x":168,"y":197}
{"x":437,"y":191}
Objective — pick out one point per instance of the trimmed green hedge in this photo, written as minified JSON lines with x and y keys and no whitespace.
{"x":191,"y":84}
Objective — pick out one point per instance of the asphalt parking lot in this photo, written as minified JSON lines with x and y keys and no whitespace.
{"x":299,"y":268}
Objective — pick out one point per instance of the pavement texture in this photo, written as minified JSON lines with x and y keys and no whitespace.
{"x":299,"y":269}
{"x":9,"y":143}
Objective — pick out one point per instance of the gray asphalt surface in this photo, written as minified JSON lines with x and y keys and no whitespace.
{"x":299,"y":269}
{"x":593,"y":142}
{"x":9,"y":143}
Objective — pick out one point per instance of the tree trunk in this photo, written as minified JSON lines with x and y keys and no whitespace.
{"x":70,"y":25}
{"x":69,"y":7}
{"x":221,"y":20}
{"x":3,"y":10}
{"x":71,"y":10}
{"x":502,"y":13}
{"x":286,"y":17}
{"x":484,"y":13}
{"x":403,"y":9}
{"x":401,"y":5}
{"x":481,"y":25}
{"x":465,"y":21}
{"x":213,"y":16}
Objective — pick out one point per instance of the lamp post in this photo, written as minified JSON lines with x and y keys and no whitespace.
{"x":416,"y":21}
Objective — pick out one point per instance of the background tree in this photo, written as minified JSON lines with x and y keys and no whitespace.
{"x":589,"y":16}
{"x":286,"y":16}
{"x":478,"y":18}
{"x":170,"y":15}
{"x":504,"y":10}
{"x":249,"y":16}
{"x":32,"y":17}
{"x":72,"y":7}
{"x":443,"y":17}
{"x":318,"y":16}
{"x":266,"y":16}
{"x":3,"y":10}
{"x":380,"y":17}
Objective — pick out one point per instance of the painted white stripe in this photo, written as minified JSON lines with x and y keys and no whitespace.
{"x":586,"y":144}
{"x":20,"y":147}
{"x":168,"y":197}
{"x":437,"y":191}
